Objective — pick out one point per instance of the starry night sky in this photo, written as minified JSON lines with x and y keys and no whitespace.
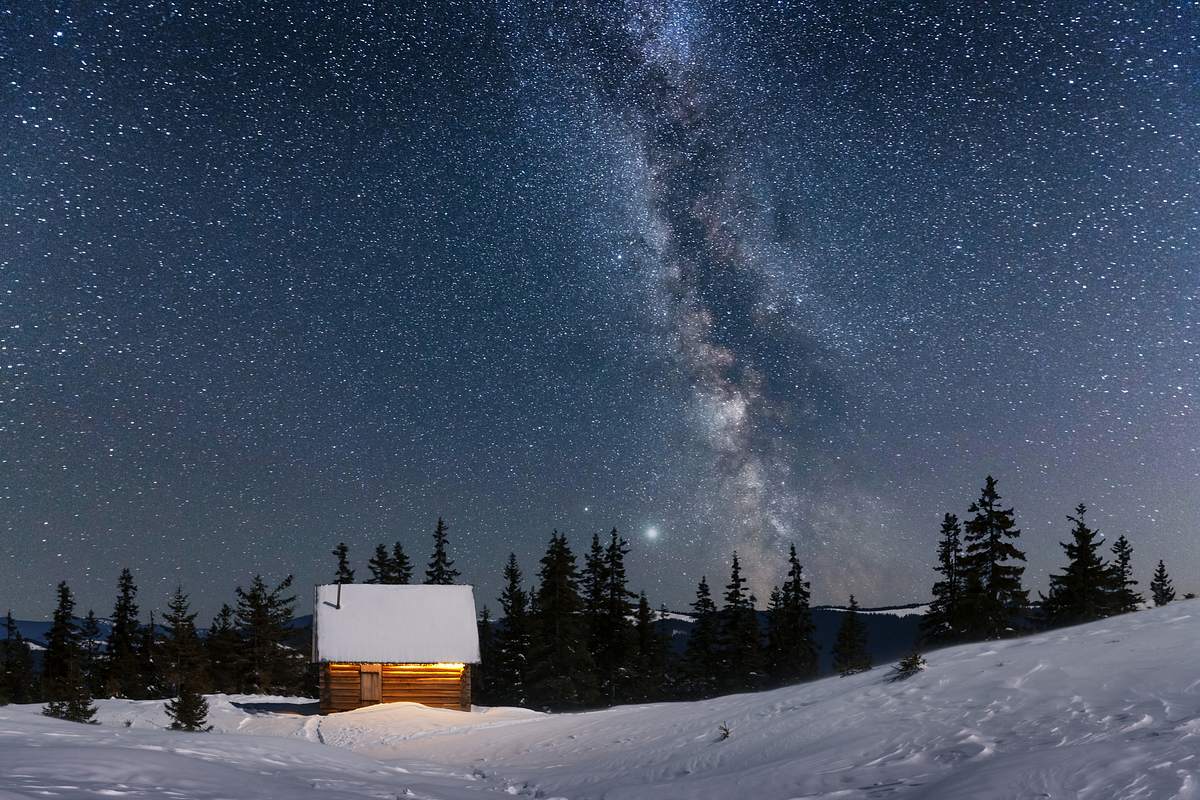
{"x":723,"y":275}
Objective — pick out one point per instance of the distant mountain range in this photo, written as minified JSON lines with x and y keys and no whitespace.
{"x":891,"y":630}
{"x":35,"y":631}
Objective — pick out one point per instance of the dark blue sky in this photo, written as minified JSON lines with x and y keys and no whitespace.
{"x":275,"y":276}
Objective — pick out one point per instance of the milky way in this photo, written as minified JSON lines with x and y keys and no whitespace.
{"x":716,"y":266}
{"x":738,"y":274}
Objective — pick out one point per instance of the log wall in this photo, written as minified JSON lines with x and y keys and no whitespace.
{"x":341,"y":686}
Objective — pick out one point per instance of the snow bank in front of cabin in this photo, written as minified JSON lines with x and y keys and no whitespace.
{"x":263,"y":715}
{"x":1104,"y":711}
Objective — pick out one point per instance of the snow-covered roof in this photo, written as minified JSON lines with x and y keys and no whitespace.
{"x":395,"y":624}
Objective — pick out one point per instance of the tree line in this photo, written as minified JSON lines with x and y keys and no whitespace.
{"x":578,"y":637}
{"x":245,"y":650}
{"x":980,"y":592}
{"x":250,"y":647}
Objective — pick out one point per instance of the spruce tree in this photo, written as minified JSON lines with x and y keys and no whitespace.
{"x":1122,"y":598}
{"x":69,"y":699}
{"x":670,"y":678}
{"x":62,"y":642}
{"x":741,"y":646}
{"x":943,"y":622}
{"x":263,"y":618}
{"x":441,"y":569}
{"x":184,"y":666}
{"x":512,"y":645}
{"x":344,"y":573}
{"x":222,"y":649}
{"x":616,"y":632}
{"x":561,"y":673}
{"x":123,"y":679}
{"x":649,"y":656}
{"x":91,"y":659}
{"x":62,"y":674}
{"x":16,"y":665}
{"x":774,"y":630}
{"x":850,"y":654}
{"x":182,"y":653}
{"x":481,"y":676}
{"x":1081,"y":592}
{"x":188,"y":710}
{"x":1161,"y":589}
{"x":594,"y":589}
{"x":993,"y":594}
{"x":792,"y":652}
{"x":381,"y":567}
{"x":702,"y":655}
{"x":149,"y":680}
{"x":402,"y":566}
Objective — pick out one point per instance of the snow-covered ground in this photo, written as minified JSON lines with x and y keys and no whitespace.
{"x":1105,"y":711}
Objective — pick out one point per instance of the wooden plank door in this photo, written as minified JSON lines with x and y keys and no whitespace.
{"x":371,"y":689}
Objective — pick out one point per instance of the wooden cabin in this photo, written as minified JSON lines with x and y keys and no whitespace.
{"x":377,"y":643}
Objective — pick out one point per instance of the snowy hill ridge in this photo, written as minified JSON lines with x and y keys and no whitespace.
{"x":1108,"y":711}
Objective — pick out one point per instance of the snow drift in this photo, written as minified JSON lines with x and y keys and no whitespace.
{"x":1106,"y":710}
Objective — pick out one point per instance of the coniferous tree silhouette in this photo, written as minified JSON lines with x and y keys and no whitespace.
{"x":616,"y":632}
{"x":702,"y":656}
{"x":561,"y":672}
{"x":222,"y":648}
{"x":741,"y":646}
{"x":343,"y":574}
{"x":123,"y":675}
{"x":72,"y":701}
{"x":1161,"y":589}
{"x":1081,"y":592}
{"x":907,"y":667}
{"x":943,"y":622}
{"x":62,"y":674}
{"x":149,"y":684}
{"x":482,"y":679}
{"x":16,"y":665}
{"x":670,"y":660}
{"x":593,"y":586}
{"x":1122,"y":598}
{"x":441,"y":569}
{"x":993,"y":594}
{"x":263,"y":617}
{"x":649,"y":655}
{"x":181,"y":650}
{"x":402,"y":566}
{"x":380,"y":565}
{"x":62,"y":641}
{"x":188,"y":710}
{"x":183,"y":669}
{"x":91,"y":656}
{"x":792,"y":651}
{"x":512,"y":645}
{"x":850,"y":654}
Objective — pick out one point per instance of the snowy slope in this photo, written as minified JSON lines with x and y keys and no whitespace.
{"x":1108,"y":710}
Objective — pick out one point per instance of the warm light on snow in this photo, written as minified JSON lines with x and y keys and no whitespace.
{"x":445,"y":667}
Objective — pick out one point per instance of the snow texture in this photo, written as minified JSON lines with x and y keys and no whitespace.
{"x":395,"y":624}
{"x":1106,"y":711}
